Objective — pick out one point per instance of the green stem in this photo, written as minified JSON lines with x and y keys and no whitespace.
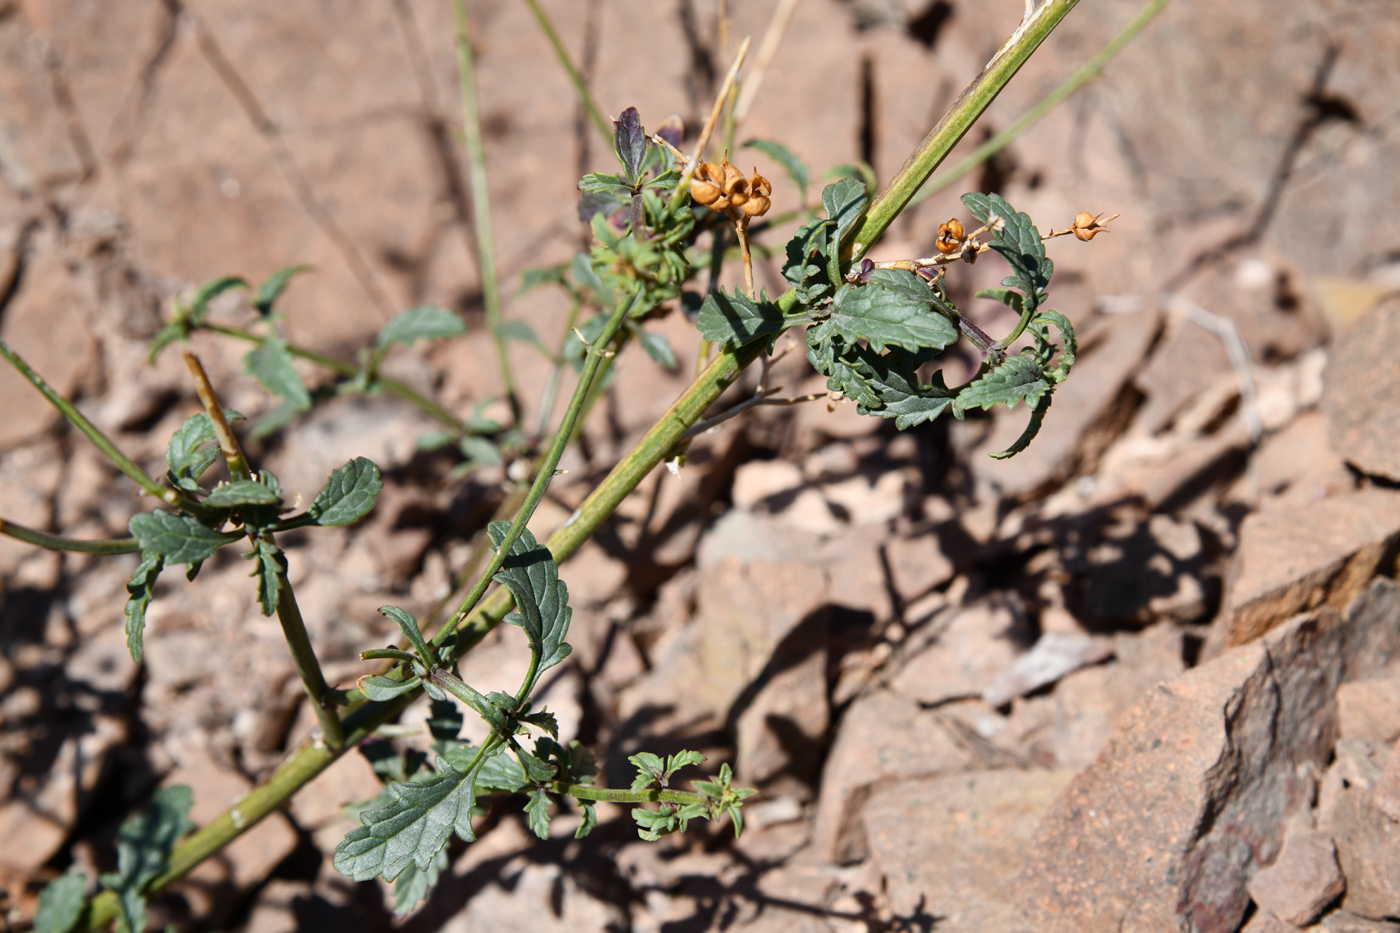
{"x":965,"y":111}
{"x":481,"y":203}
{"x":388,"y":654}
{"x":90,"y":430}
{"x":58,"y":543}
{"x":580,"y":86}
{"x":593,"y":359}
{"x":304,"y":657}
{"x":618,"y":795}
{"x":392,"y":386}
{"x":551,"y":386}
{"x":1074,"y":82}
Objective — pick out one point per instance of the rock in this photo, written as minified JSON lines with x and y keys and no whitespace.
{"x":917,"y":565}
{"x":1370,"y":709}
{"x":1052,"y":657}
{"x":1295,"y":466}
{"x":976,"y":644}
{"x":1193,"y":792}
{"x":882,"y":736}
{"x":1387,"y":792}
{"x":1265,"y":922}
{"x":766,"y":484}
{"x":1368,"y":847}
{"x":1145,"y":572}
{"x":1345,"y":922}
{"x":1301,"y":882}
{"x":1294,"y":560}
{"x":950,"y":847}
{"x":1362,"y":385}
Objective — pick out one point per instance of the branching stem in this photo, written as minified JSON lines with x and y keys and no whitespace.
{"x":59,"y":543}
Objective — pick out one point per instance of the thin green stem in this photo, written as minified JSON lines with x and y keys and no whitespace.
{"x":1074,"y":82}
{"x":393,"y":386}
{"x":481,"y":204}
{"x":575,"y":76}
{"x":388,"y":654}
{"x":618,"y":795}
{"x":59,"y":543}
{"x":965,"y":111}
{"x":551,"y":386}
{"x":304,"y":657}
{"x":593,"y":359}
{"x":91,"y":432}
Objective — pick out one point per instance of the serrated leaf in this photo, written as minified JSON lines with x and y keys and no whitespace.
{"x":904,"y":283}
{"x":845,"y":202}
{"x":649,"y":770}
{"x":543,"y":720}
{"x":1039,"y":328}
{"x":190,"y":453}
{"x":857,"y":171}
{"x":541,"y":598}
{"x":738,"y":320}
{"x":840,"y":364}
{"x":590,"y":819}
{"x":680,"y":760}
{"x":413,"y":885}
{"x":181,"y":539}
{"x":408,"y":625}
{"x":141,"y":588}
{"x":536,"y":770}
{"x":271,"y":570}
{"x":893,"y":378}
{"x":789,"y":160}
{"x":425,"y":322}
{"x":199,"y":304}
{"x":273,"y":286}
{"x":523,"y":332}
{"x":143,"y":846}
{"x":241,"y":492}
{"x":380,"y":689}
{"x":271,"y":364}
{"x":657,"y":347}
{"x":600,"y":183}
{"x":61,"y":903}
{"x":349,"y":494}
{"x":537,"y":809}
{"x":500,"y":773}
{"x":1019,"y":243}
{"x":807,"y":261}
{"x":1012,"y":299}
{"x":1018,"y":377}
{"x":542,"y":275}
{"x":1032,"y":429}
{"x":413,"y":829}
{"x":884,"y":318}
{"x":630,"y":143}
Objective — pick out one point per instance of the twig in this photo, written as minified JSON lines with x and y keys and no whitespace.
{"x":228,"y":444}
{"x":683,"y":187}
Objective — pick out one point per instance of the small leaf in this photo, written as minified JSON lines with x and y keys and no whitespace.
{"x":181,"y":539}
{"x":542,"y":275}
{"x":884,"y":317}
{"x":541,"y":598}
{"x":142,"y":588}
{"x":1018,"y":377}
{"x":630,"y":143}
{"x":409,"y":626}
{"x":649,"y":771}
{"x":413,"y":885}
{"x":1041,"y":332}
{"x":435,"y":440}
{"x":543,"y":720}
{"x":271,"y":365}
{"x":61,"y":904}
{"x":737,"y":320}
{"x":794,"y":166}
{"x":190,"y":453}
{"x":425,"y":322}
{"x":657,"y":347}
{"x":199,"y":304}
{"x":1019,"y":243}
{"x":413,"y":829}
{"x":582,"y":270}
{"x":1012,"y":299}
{"x":537,"y":809}
{"x":143,"y":846}
{"x":349,"y":494}
{"x":1032,"y":429}
{"x":273,"y":286}
{"x":680,"y":760}
{"x":380,"y":689}
{"x":536,"y":770}
{"x":590,"y":819}
{"x":241,"y":492}
{"x":845,"y":203}
{"x":480,"y":452}
{"x":599,"y":183}
{"x":523,"y":332}
{"x":271,"y":570}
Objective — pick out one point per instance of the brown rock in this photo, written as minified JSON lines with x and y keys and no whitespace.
{"x":882,"y":736}
{"x":917,"y":565}
{"x":1363,"y":383}
{"x":1294,"y":560}
{"x":950,"y":846}
{"x":1345,"y":922}
{"x":1302,"y":881}
{"x":1052,"y":657}
{"x":1370,"y":709}
{"x":1368,"y":847}
{"x":1194,"y":790}
{"x":1387,"y":793}
{"x":1296,"y":466}
{"x":1265,"y":922}
{"x":977,"y":643}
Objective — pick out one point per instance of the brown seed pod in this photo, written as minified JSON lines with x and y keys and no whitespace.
{"x":760,"y":189}
{"x":950,"y":236}
{"x":707,"y":186}
{"x":1086,"y":225}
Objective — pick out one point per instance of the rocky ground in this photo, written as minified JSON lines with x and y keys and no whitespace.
{"x":1144,"y":676}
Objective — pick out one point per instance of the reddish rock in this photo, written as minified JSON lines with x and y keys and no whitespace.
{"x":1368,"y":847}
{"x":917,"y":565}
{"x":1301,"y":882}
{"x":1370,"y":709}
{"x":1052,"y":657}
{"x":1363,"y":383}
{"x":1193,"y":792}
{"x":1387,"y":793}
{"x":977,"y":643}
{"x":1265,"y":922}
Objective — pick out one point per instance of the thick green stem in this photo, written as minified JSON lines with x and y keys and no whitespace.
{"x":575,"y":76}
{"x":965,"y":111}
{"x":59,"y":543}
{"x":89,"y":430}
{"x":481,"y":203}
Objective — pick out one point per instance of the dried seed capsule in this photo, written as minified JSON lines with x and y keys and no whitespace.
{"x":759,"y":190}
{"x":706,"y":186}
{"x":950,"y":236}
{"x":1086,"y":225}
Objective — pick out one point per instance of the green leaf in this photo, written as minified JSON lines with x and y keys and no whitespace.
{"x":885,"y":317}
{"x":141,"y":587}
{"x":479,"y":452}
{"x":1019,"y":243}
{"x":241,"y":492}
{"x":500,"y":773}
{"x":680,"y":760}
{"x":275,"y":420}
{"x":600,"y":183}
{"x":271,"y":364}
{"x":656,"y":346}
{"x":582,"y":270}
{"x":1032,"y":429}
{"x":861,"y":171}
{"x":175,"y":329}
{"x":181,"y":539}
{"x":537,"y":809}
{"x":649,"y":771}
{"x":541,"y":598}
{"x":894,"y":380}
{"x":737,"y":320}
{"x":590,"y":819}
{"x":807,"y":261}
{"x":435,"y":440}
{"x":1040,"y":332}
{"x":543,"y":720}
{"x":536,"y":770}
{"x":273,"y":286}
{"x":519,"y":330}
{"x":1018,"y":377}
{"x":270,"y":570}
{"x":789,"y":160}
{"x":380,"y":689}
{"x":61,"y":904}
{"x":199,"y":304}
{"x":845,"y":203}
{"x":1012,"y":299}
{"x":425,"y":322}
{"x":413,"y":829}
{"x":840,"y":363}
{"x":413,"y":885}
{"x":143,"y":846}
{"x":542,"y":275}
{"x":409,"y":626}
{"x":193,"y":448}
{"x":630,"y":143}
{"x":349,"y":494}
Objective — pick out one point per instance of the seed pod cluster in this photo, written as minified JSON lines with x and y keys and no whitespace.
{"x":1087,"y":226}
{"x":951,"y":236}
{"x":724,"y":188}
